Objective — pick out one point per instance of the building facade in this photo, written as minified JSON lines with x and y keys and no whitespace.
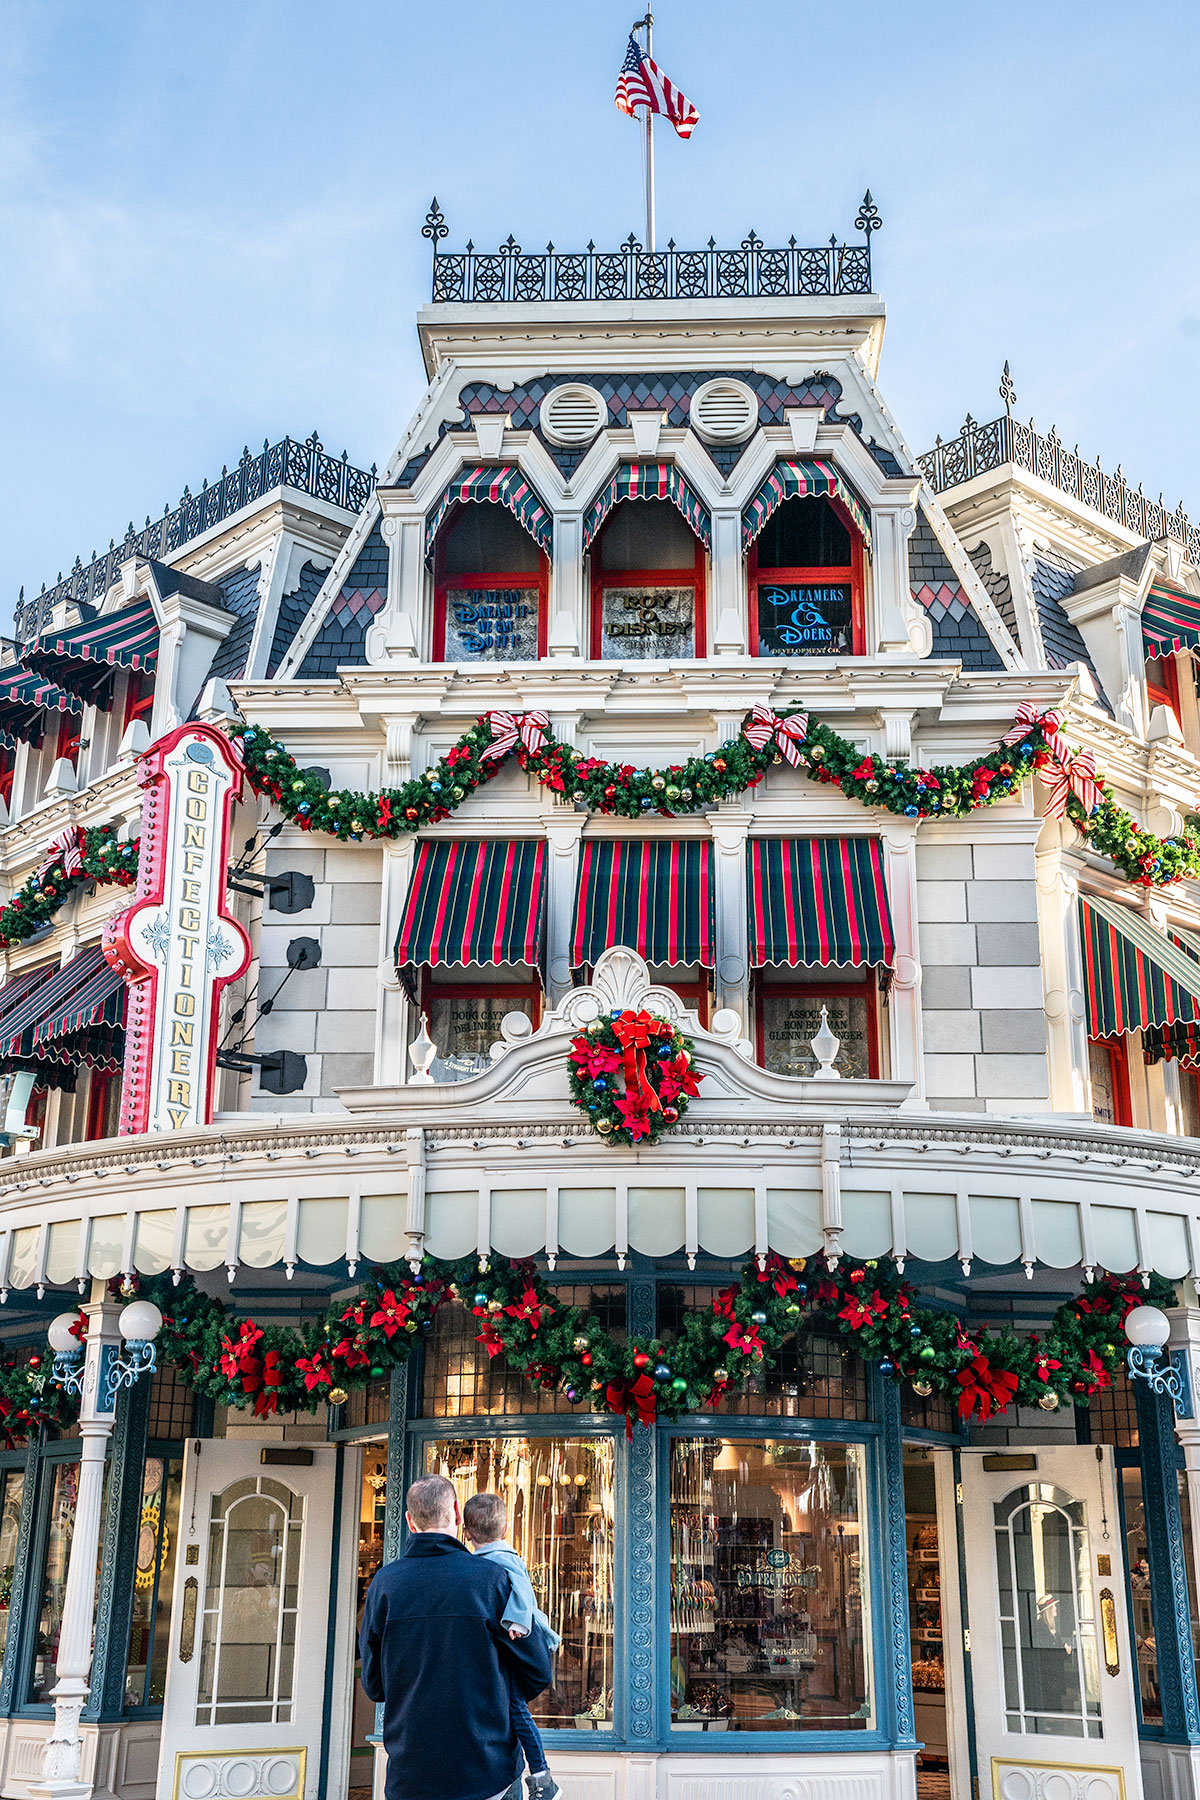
{"x":645,"y":502}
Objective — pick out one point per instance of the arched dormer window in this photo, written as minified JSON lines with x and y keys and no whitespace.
{"x":648,"y":587}
{"x":806,"y":533}
{"x":491,"y":580}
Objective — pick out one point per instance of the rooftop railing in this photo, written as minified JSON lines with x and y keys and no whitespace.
{"x":980,"y":449}
{"x":752,"y":271}
{"x":306,"y":466}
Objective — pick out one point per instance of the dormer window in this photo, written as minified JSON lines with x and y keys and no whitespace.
{"x":647,"y":584}
{"x":489,"y":538}
{"x":806,"y":583}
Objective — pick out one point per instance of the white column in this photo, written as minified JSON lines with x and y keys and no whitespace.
{"x":569,"y":631}
{"x":401,"y":625}
{"x":729,"y":907}
{"x":562,"y":868}
{"x":906,"y":1038}
{"x":392,"y":1016}
{"x":1062,"y":973}
{"x":729,"y":622}
{"x":62,"y":1756}
{"x":900,"y":626}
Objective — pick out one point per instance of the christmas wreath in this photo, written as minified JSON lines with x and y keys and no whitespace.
{"x":734,"y":1338}
{"x":653,"y":1059}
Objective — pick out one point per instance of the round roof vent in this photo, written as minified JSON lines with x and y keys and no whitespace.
{"x":724,"y":412}
{"x":573,"y":414}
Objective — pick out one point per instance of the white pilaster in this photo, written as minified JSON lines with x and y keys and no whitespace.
{"x":1062,"y":973}
{"x":563,"y":834}
{"x":905,"y":1038}
{"x":568,"y":623}
{"x":392,"y":1014}
{"x":729,"y":630}
{"x":729,"y":905}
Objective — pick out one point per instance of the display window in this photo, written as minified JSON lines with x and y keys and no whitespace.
{"x":770,"y":1598}
{"x":464,"y":1010}
{"x":1108,"y":1069}
{"x":12,"y":1492}
{"x":104,"y":1105}
{"x":1162,"y":685}
{"x":805,"y":578}
{"x":59,"y":1501}
{"x":153,"y":1582}
{"x":787,"y":1014}
{"x":648,"y":585}
{"x":490,"y":588}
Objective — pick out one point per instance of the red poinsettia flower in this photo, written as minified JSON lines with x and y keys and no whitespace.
{"x":1043,"y":1364}
{"x":776,"y":1271}
{"x":351,"y":1353}
{"x":865,"y":770}
{"x":392,"y":1313}
{"x":744,"y":1338}
{"x":680,"y":1069}
{"x":315,"y":1370}
{"x":635,"y":1115}
{"x":457,"y":754}
{"x":1094,"y":1377}
{"x":530,"y":1308}
{"x":594,"y":1059}
{"x":723,"y":1302}
{"x":236,"y":1350}
{"x":489,"y":1337}
{"x":827,"y":1292}
{"x":858,"y":1311}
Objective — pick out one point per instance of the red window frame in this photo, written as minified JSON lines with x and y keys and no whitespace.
{"x":535,"y":580}
{"x":1164,"y":692}
{"x":843,"y":575}
{"x":1118,"y":1062}
{"x":696,"y":576}
{"x":100,"y":1093}
{"x":8,"y":768}
{"x":139,"y":697}
{"x":69,"y":736}
{"x":766,"y":980}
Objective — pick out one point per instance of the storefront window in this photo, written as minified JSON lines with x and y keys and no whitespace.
{"x":789,"y":1018}
{"x":647,"y":584}
{"x":1047,"y":1627}
{"x":11,"y":1495}
{"x":814,"y":1376}
{"x":153,"y":1582}
{"x":805,"y":583}
{"x":561,"y":1512}
{"x":464,"y":1017}
{"x":1108,"y":1070}
{"x":770,"y":1616}
{"x":248,"y":1646}
{"x":461,"y":1380}
{"x":1137,"y":1561}
{"x":490,"y":588}
{"x":64,"y":1496}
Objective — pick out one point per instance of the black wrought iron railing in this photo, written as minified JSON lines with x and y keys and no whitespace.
{"x":306,"y":466}
{"x":980,"y":449}
{"x":754,"y":270}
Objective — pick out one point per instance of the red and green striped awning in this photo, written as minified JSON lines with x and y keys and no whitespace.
{"x":649,"y":481}
{"x":1170,"y":620}
{"x":16,"y":990}
{"x":499,"y":484}
{"x":808,"y":478}
{"x":25,"y":699}
{"x":818,"y":902}
{"x":474,"y":903}
{"x":81,"y":658}
{"x":49,"y":1006}
{"x":654,"y":896}
{"x":1133,"y":976}
{"x":98,"y":1000}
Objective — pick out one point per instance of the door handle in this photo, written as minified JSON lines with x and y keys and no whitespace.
{"x":1108,"y":1628}
{"x":187,"y":1622}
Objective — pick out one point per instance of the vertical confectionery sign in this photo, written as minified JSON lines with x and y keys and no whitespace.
{"x":178,"y":945}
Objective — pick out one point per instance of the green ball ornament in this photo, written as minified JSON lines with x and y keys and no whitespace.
{"x":927,"y":1353}
{"x":679,"y":1385}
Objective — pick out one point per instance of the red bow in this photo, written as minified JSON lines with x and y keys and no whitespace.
{"x":789,"y":734}
{"x":984,"y":1390}
{"x":1030,"y":720}
{"x":635,"y":1032}
{"x":1066,"y":774}
{"x":635,"y":1398}
{"x":509,"y":728}
{"x":67,"y":849}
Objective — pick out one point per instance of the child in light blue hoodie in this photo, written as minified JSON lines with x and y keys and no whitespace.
{"x":484,"y":1520}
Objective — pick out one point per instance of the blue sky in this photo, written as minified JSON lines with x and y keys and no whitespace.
{"x":211,"y":213}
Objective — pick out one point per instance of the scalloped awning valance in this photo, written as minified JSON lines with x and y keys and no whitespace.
{"x":649,"y":481}
{"x":818,"y":902}
{"x":807,"y":478}
{"x":500,"y":484}
{"x":81,"y":658}
{"x":1133,"y":976}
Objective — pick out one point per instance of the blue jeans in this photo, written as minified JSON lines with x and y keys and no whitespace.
{"x":528,"y":1735}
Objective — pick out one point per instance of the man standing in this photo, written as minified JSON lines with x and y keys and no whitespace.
{"x":435,"y":1652}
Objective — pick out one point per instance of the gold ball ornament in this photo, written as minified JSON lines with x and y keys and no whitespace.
{"x":338,"y":1396}
{"x":1049,"y":1401}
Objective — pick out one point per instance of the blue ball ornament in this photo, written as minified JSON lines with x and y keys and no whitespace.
{"x":481,"y":1299}
{"x":664,"y":1052}
{"x":885,"y":1367}
{"x":914,"y":1331}
{"x":599,"y":1084}
{"x":910,"y":812}
{"x":662,"y":1373}
{"x":304,"y":807}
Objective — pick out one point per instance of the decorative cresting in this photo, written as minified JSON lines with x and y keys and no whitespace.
{"x":1170,"y":620}
{"x":500,"y":484}
{"x":1134,"y":977}
{"x":649,"y":481}
{"x":82,"y":658}
{"x":178,"y":945}
{"x":754,"y":270}
{"x":804,"y":478}
{"x":25,"y":699}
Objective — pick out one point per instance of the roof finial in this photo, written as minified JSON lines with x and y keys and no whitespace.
{"x":1008,"y":392}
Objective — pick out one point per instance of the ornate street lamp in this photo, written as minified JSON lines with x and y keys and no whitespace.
{"x":1148,"y":1329}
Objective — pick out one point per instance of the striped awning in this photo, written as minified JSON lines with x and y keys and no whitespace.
{"x":502,"y":485}
{"x":100,"y":1000}
{"x":16,"y":990}
{"x":655,"y":896}
{"x":649,"y":481}
{"x":818,"y":902}
{"x":81,"y":658}
{"x":807,"y":478}
{"x":1170,"y":620}
{"x":25,"y":699}
{"x":474,"y":903}
{"x":1133,"y":976}
{"x":54,"y":997}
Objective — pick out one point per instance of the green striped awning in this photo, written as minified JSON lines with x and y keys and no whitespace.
{"x":25,"y":699}
{"x":1172,"y":1043}
{"x":81,"y":658}
{"x":499,"y":484}
{"x":98,"y":1000}
{"x":474,"y":903}
{"x":804,"y":478}
{"x":1170,"y":620}
{"x":654,"y":896}
{"x":649,"y":481}
{"x":1133,"y":976}
{"x":49,"y":1007}
{"x":16,"y":990}
{"x":818,"y":901}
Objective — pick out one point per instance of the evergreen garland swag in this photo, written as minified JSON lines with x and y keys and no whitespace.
{"x":1035,"y":744}
{"x":869,"y":1305}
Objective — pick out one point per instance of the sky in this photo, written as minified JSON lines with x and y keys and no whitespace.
{"x":210,"y":213}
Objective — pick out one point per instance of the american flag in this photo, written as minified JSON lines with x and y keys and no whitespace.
{"x":642,"y":83}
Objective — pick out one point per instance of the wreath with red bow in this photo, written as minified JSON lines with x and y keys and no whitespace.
{"x":632,"y":1074}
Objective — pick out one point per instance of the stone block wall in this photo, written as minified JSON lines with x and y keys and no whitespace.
{"x":981,"y":978}
{"x":327,"y":1013}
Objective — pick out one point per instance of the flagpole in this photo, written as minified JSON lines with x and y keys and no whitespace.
{"x":648,"y":22}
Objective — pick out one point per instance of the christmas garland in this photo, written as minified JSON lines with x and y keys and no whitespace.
{"x":719,"y":1348}
{"x":655,"y":1060}
{"x":78,"y":855}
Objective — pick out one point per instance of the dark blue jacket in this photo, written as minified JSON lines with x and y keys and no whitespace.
{"x":435,"y":1652}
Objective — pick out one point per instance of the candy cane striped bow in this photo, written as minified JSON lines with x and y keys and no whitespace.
{"x":530,"y":728}
{"x":1066,"y":774}
{"x":1029,"y":719}
{"x":67,"y":849}
{"x":789,"y":734}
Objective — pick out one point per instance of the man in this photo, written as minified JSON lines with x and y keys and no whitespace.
{"x":435,"y":1652}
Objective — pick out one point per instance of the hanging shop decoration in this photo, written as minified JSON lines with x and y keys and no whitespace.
{"x":719,"y":1349}
{"x":1034,"y":745}
{"x":632,"y":1075}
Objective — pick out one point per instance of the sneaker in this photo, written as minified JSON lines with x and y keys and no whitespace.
{"x":543,"y":1786}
